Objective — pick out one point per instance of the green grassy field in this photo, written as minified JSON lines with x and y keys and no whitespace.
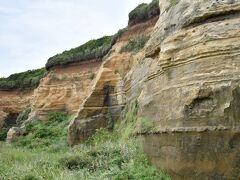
{"x":44,"y":154}
{"x":106,"y":160}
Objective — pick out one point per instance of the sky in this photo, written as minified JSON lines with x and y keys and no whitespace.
{"x":31,"y":31}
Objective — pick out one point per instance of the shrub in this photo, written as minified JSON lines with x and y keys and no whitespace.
{"x":139,"y":14}
{"x":101,"y":136}
{"x":141,"y":169}
{"x":92,"y":76}
{"x":144,"y":12}
{"x":3,"y":134}
{"x":112,"y":160}
{"x":146,"y":125}
{"x":30,"y":177}
{"x":110,"y":120}
{"x":93,"y":49}
{"x":23,"y":81}
{"x":23,"y":116}
{"x":106,"y":156}
{"x":57,"y":117}
{"x":74,"y":162}
{"x":127,"y":126}
{"x":41,"y":134}
{"x":134,"y":45}
{"x":118,"y":35}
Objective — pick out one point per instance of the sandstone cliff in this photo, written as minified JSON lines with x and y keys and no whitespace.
{"x":187,"y":88}
{"x":16,"y":94}
{"x":190,"y":96}
{"x":107,"y":97}
{"x":11,"y":104}
{"x":185,"y":79}
{"x":64,"y":89}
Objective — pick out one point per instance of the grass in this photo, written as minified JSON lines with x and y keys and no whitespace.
{"x":146,"y":125}
{"x":108,"y":160}
{"x":127,"y":126}
{"x":44,"y":154}
{"x":25,"y":80}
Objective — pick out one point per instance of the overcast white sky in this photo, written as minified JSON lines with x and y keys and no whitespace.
{"x":31,"y":31}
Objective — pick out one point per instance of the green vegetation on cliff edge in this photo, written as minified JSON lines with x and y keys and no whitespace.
{"x":98,"y":48}
{"x":93,"y":49}
{"x":144,"y":12}
{"x":23,"y":81}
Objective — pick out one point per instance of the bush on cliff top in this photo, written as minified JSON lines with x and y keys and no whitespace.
{"x":98,"y":48}
{"x":22,"y":81}
{"x":144,"y":12}
{"x":93,"y":49}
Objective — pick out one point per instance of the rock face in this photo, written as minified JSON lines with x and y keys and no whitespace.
{"x":11,"y":104}
{"x":14,"y":133}
{"x":64,"y":89}
{"x":186,"y":81}
{"x":107,"y":97}
{"x":102,"y":102}
{"x":191,"y":92}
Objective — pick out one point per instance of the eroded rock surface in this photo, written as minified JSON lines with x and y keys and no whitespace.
{"x":14,"y":133}
{"x":107,"y":97}
{"x":192,"y":98}
{"x":186,"y":81}
{"x":64,"y":89}
{"x":11,"y":104}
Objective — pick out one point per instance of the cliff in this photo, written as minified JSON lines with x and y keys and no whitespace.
{"x":187,"y":85}
{"x":107,"y":97}
{"x":182,"y":69}
{"x":12,"y":103}
{"x":190,"y":96}
{"x":16,"y":94}
{"x":64,"y":89}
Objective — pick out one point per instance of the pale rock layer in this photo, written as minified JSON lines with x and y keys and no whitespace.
{"x":11,"y":104}
{"x":192,"y":98}
{"x":107,"y":97}
{"x":64,"y":89}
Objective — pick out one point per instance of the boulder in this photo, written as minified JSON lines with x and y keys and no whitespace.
{"x":13,"y":133}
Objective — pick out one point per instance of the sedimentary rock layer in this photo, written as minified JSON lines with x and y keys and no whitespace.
{"x":192,"y":98}
{"x":11,"y":104}
{"x":64,"y":89}
{"x":107,"y":97}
